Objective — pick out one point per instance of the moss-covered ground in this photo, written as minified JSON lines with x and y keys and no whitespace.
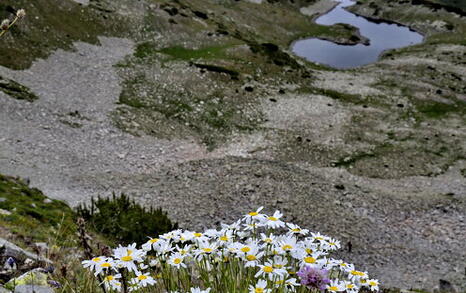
{"x":34,"y":217}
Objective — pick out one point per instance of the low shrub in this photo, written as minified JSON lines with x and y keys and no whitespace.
{"x":121,"y":219}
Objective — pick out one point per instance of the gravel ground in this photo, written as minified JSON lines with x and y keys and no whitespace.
{"x":408,"y":232}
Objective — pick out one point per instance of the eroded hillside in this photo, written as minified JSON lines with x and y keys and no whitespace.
{"x":200,"y":107}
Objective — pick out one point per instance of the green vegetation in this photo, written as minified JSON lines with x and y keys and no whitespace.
{"x":34,"y":217}
{"x":180,"y":53}
{"x":209,"y":117}
{"x":123,"y":220}
{"x":50,"y":25}
{"x":16,"y":90}
{"x":433,"y":109}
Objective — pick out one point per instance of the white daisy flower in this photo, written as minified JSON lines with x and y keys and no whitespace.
{"x":274,"y":221}
{"x":199,"y":290}
{"x":255,"y":216}
{"x":151,"y":244}
{"x":260,"y":287}
{"x":127,"y":256}
{"x":143,"y":280}
{"x":176,"y":260}
{"x":267,"y":270}
{"x":296,"y":230}
{"x":111,"y":282}
{"x":335,"y":286}
{"x":373,"y":284}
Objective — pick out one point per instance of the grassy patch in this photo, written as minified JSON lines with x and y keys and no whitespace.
{"x":148,"y":49}
{"x":437,"y":110}
{"x":34,"y":217}
{"x":210,"y":116}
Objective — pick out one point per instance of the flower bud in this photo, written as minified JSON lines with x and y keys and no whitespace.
{"x":21,"y":13}
{"x":5,"y":24}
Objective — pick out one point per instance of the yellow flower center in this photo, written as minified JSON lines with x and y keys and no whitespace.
{"x":268,"y":269}
{"x":372,"y":283}
{"x":109,"y":278}
{"x":333,"y":288}
{"x":154,"y":240}
{"x":142,"y":277}
{"x":319,"y":238}
{"x":252,"y":214}
{"x":272,"y":219}
{"x":177,"y":261}
{"x":296,"y":230}
{"x":332,"y":243}
{"x":278,"y":266}
{"x":183,"y":252}
{"x":129,"y":251}
{"x":350,"y":286}
{"x":287,"y":247}
{"x":357,"y":273}
{"x":207,"y":250}
{"x":309,"y":259}
{"x":106,"y":265}
{"x":224,"y":238}
{"x":251,"y":257}
{"x":268,"y":240}
{"x":96,"y":259}
{"x":127,"y":258}
{"x":309,"y":251}
{"x":343,"y":265}
{"x":245,"y":249}
{"x":258,"y":290}
{"x":197,"y":234}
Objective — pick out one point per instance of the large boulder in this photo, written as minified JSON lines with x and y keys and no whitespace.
{"x":3,"y":290}
{"x":8,"y":249}
{"x":35,"y":277}
{"x":33,"y":289}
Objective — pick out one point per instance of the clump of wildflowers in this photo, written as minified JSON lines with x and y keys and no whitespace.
{"x":256,"y":254}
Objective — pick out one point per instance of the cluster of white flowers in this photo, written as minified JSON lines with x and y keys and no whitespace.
{"x":256,"y":254}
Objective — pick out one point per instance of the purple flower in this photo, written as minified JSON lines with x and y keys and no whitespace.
{"x":54,"y":284}
{"x":11,"y":261}
{"x":313,"y":278}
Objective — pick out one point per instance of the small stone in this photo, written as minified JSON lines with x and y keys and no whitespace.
{"x":41,"y":246}
{"x":445,"y":286}
{"x":47,"y":200}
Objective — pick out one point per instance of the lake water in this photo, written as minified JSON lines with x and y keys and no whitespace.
{"x":382,"y":36}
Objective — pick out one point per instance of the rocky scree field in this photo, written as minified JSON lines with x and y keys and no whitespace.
{"x":199,"y":106}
